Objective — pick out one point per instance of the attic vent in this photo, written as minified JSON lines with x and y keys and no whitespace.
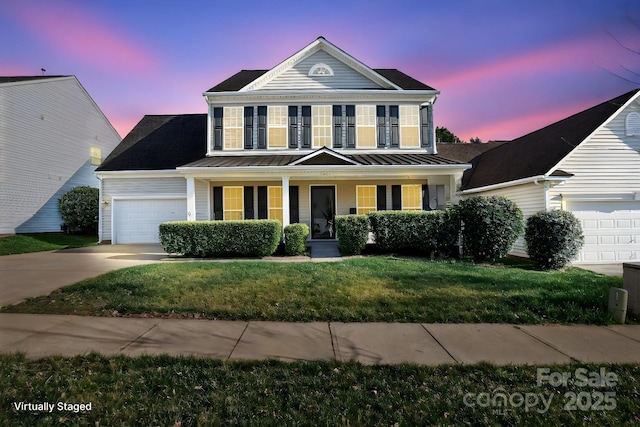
{"x":321,"y":70}
{"x":632,"y":124}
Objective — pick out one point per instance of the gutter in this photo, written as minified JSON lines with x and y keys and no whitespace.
{"x":532,"y":179}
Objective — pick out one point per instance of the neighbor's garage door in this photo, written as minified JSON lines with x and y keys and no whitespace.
{"x":611,"y":231}
{"x":137,"y":221}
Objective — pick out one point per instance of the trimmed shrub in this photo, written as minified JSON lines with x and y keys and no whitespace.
{"x":79,"y":209}
{"x":431,"y":232}
{"x":255,"y":238}
{"x":553,"y":238}
{"x":295,"y":239}
{"x":353,"y":233}
{"x":491,"y":226}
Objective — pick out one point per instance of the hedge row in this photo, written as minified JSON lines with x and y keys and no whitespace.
{"x":430,"y":232}
{"x":255,"y":238}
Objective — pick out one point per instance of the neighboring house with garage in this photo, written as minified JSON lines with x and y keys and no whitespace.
{"x":588,"y":164}
{"x":318,"y":135}
{"x":52,"y":137}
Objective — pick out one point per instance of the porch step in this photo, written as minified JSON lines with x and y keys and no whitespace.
{"x":325,"y":250}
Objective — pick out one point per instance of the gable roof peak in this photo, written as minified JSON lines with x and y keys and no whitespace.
{"x":318,"y":44}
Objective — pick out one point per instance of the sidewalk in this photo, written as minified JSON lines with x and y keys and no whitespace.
{"x":368,"y":343}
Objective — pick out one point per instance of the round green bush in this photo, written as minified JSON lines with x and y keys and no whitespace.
{"x":295,"y":239}
{"x":553,"y":238}
{"x":79,"y":209}
{"x":352,"y":232}
{"x":491,"y":226}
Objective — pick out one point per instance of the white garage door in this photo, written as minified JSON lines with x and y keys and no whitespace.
{"x":611,"y":231}
{"x":137,"y":221}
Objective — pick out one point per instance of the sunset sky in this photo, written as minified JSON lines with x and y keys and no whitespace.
{"x":503,"y":67}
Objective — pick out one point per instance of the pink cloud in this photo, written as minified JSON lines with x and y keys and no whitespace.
{"x":15,"y":70}
{"x":566,"y":56}
{"x":515,"y":127}
{"x":84,"y":36}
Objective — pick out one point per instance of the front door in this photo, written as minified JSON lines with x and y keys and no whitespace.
{"x":323,"y":212}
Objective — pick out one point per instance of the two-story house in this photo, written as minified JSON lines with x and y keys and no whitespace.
{"x":52,"y":137}
{"x":318,"y":135}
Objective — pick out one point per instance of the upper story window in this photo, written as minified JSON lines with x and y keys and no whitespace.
{"x":321,"y":70}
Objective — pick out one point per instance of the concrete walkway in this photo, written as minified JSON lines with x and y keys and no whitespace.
{"x":368,"y":343}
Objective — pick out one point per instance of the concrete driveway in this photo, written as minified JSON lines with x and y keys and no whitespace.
{"x":606,"y":269}
{"x":39,"y":273}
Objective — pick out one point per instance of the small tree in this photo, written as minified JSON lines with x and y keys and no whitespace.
{"x":553,"y":238}
{"x":491,"y":225}
{"x":445,"y":135}
{"x":79,"y":209}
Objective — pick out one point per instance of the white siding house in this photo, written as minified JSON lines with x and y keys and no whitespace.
{"x":52,"y":137}
{"x":588,"y":164}
{"x":318,"y":135}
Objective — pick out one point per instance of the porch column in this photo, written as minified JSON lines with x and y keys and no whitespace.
{"x":285,"y":201}
{"x":191,"y":199}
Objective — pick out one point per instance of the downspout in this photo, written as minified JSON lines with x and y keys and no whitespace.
{"x":545,"y":192}
{"x":432,"y":131}
{"x":101,"y":207}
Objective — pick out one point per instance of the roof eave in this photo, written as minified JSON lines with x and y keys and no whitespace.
{"x":528,"y":180}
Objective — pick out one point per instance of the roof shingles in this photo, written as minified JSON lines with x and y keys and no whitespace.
{"x":538,"y":152}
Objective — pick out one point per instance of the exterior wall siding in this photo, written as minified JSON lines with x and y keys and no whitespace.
{"x":608,"y":163}
{"x":529,"y":198}
{"x":297,"y":77}
{"x":136,"y":187}
{"x":203,"y":201}
{"x":47,"y":129}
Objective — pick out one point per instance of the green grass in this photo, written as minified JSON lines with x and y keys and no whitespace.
{"x":374,"y":289}
{"x":39,"y":242}
{"x":168,"y":391}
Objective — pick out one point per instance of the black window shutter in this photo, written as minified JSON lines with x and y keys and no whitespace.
{"x":382,"y":198}
{"x":262,"y":203}
{"x":293,"y":127}
{"x":294,"y":204}
{"x":351,"y":126}
{"x":337,"y":126}
{"x":380,"y":125}
{"x":306,"y":126}
{"x":424,"y":126}
{"x":248,"y":128}
{"x":396,"y":197}
{"x":393,"y":124}
{"x":262,"y":127}
{"x":425,"y":198}
{"x":217,"y":204}
{"x":217,"y":128}
{"x":248,"y":202}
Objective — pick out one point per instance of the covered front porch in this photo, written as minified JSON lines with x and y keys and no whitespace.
{"x":314,"y":188}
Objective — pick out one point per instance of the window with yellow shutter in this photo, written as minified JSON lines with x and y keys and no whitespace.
{"x":412,"y":197}
{"x":233,"y":203}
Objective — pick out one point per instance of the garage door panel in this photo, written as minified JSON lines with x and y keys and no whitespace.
{"x":611,"y":230}
{"x":137,"y":221}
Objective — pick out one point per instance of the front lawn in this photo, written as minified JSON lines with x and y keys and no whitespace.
{"x":375,"y":289}
{"x":40,"y":242}
{"x":168,"y":391}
